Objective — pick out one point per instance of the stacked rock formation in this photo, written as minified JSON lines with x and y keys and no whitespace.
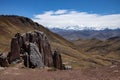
{"x":34,"y":49}
{"x":43,"y":48}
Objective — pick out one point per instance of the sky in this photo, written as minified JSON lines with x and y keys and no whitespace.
{"x":63,"y":13}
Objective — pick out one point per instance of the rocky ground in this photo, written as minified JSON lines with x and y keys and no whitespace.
{"x":101,"y":73}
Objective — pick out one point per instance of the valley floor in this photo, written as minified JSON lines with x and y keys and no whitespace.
{"x":101,"y":73}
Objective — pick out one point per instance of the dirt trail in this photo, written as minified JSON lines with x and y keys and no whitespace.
{"x":102,"y":73}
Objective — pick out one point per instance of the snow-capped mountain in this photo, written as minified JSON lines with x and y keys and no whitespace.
{"x":76,"y":27}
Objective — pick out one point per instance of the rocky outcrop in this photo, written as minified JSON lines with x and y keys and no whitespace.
{"x":40,"y":39}
{"x":57,"y":60}
{"x":3,"y":60}
{"x":35,"y":50}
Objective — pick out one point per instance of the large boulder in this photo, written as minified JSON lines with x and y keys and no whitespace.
{"x":32,"y":57}
{"x":35,"y":57}
{"x":57,"y":60}
{"x":14,"y":55}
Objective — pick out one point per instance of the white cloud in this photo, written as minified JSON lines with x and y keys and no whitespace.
{"x":65,"y":18}
{"x":60,"y":12}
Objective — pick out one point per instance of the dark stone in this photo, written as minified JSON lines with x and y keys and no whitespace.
{"x":14,"y":55}
{"x":46,"y":51}
{"x":26,"y":59}
{"x":20,"y":41}
{"x":57,"y":60}
{"x":27,"y":37}
{"x":3,"y":60}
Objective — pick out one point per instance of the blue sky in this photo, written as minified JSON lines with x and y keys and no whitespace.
{"x":29,"y":8}
{"x":37,"y":9}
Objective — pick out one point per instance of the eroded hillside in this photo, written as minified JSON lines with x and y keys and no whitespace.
{"x":9,"y":25}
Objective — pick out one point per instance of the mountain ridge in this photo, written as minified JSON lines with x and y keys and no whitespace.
{"x":87,"y":33}
{"x":79,"y":28}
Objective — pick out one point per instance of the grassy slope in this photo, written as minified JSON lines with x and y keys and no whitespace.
{"x":105,"y":52}
{"x":71,"y":54}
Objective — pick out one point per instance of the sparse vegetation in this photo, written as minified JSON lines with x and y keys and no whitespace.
{"x":83,"y":53}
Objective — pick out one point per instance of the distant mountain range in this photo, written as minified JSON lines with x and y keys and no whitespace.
{"x":87,"y":33}
{"x":76,"y":27}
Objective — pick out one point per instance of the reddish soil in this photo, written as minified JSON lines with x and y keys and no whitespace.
{"x":101,"y":73}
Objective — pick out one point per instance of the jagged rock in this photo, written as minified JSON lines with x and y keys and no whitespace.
{"x":32,"y":57}
{"x":44,"y":48}
{"x":57,"y":60}
{"x":40,"y":39}
{"x":20,"y":40}
{"x":27,"y":37}
{"x":46,"y":51}
{"x":14,"y":55}
{"x":35,"y":57}
{"x":3,"y":60}
{"x":35,"y":50}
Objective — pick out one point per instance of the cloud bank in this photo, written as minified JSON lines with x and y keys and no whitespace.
{"x":69,"y":19}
